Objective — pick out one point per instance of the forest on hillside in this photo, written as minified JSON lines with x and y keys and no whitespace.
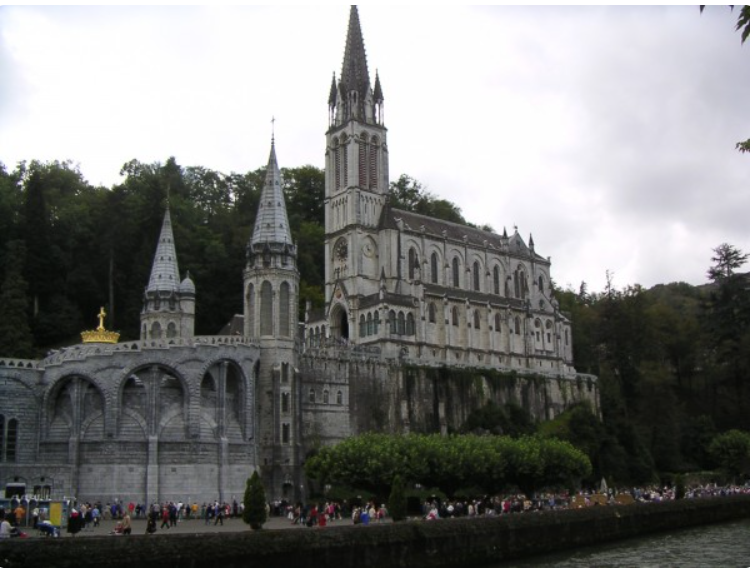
{"x":673,"y":361}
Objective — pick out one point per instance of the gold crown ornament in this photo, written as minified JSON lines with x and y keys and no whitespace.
{"x":100,"y":335}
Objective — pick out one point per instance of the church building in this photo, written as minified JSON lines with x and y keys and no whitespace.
{"x":415,"y":307}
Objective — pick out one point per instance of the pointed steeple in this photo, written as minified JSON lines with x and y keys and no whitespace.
{"x":272,"y":217}
{"x":355,"y":71}
{"x":165,"y":275}
{"x":333,"y":91}
{"x":378,"y":96}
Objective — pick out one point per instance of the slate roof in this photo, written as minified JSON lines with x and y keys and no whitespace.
{"x":165,"y":275}
{"x":355,"y":70}
{"x":441,"y":229}
{"x":272,"y":224}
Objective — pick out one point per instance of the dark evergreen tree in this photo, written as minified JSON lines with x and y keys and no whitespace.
{"x":397,"y":504}
{"x":254,"y":503}
{"x":15,"y":333}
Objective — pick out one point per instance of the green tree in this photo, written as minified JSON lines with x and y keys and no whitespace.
{"x":254,"y":503}
{"x":15,"y":333}
{"x":397,"y":504}
{"x":728,"y":329}
{"x":407,"y":193}
{"x":731,"y":453}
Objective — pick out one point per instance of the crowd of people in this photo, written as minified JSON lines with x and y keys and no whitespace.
{"x":87,"y":516}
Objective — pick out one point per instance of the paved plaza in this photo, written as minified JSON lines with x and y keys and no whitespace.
{"x":195,"y":526}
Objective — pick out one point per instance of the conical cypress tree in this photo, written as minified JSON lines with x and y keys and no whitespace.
{"x":254,"y":503}
{"x":397,"y":503}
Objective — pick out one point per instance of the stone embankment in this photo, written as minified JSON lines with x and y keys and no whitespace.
{"x":449,"y":543}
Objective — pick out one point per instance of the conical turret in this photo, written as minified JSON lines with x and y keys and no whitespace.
{"x":165,"y":275}
{"x":272,"y":226}
{"x":169,"y":304}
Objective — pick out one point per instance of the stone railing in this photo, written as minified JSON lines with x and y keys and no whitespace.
{"x":83,"y":351}
{"x":18,"y":363}
{"x":333,"y":349}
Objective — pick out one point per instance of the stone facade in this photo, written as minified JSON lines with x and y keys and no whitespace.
{"x":425,"y":321}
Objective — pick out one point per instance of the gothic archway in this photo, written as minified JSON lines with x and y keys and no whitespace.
{"x":339,"y":323}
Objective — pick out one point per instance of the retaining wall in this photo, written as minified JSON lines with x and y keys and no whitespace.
{"x":450,"y":543}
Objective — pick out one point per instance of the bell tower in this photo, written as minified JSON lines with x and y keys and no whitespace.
{"x":271,"y":282}
{"x":356,"y":174}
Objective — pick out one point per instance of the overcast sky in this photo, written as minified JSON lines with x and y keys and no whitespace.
{"x":606,"y":132}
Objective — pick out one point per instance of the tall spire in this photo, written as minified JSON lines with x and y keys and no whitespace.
{"x":355,"y":71}
{"x":165,"y":275}
{"x":272,"y":217}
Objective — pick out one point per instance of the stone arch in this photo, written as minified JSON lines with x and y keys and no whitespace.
{"x":73,"y":404}
{"x":339,"y":322}
{"x":132,"y":425}
{"x":165,"y":388}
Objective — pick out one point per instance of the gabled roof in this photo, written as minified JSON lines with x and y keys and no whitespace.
{"x":441,"y":229}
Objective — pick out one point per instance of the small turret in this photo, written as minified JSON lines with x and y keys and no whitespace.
{"x":169,"y":303}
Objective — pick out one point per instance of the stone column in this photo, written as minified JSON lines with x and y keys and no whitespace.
{"x":223,"y":461}
{"x":152,"y":469}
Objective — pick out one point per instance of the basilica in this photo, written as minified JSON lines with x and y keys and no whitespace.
{"x":414,"y":308}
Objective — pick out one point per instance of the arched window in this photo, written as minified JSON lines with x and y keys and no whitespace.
{"x":362,"y":326}
{"x":312,"y":396}
{"x":400,"y":323}
{"x":344,"y":159}
{"x":541,"y":284}
{"x":338,"y":166}
{"x":476,"y":320}
{"x":410,"y":325}
{"x":285,"y":403}
{"x":455,"y":272}
{"x":517,"y":325}
{"x":432,"y":313}
{"x":455,"y":319}
{"x":339,"y":397}
{"x":476,"y":276}
{"x":412,"y":263}
{"x":172,"y":331}
{"x":156,"y":331}
{"x":369,"y":325}
{"x":363,"y":161}
{"x":250,"y":302}
{"x":434,"y":268}
{"x":373,"y":158}
{"x":267,"y":325}
{"x":392,"y":322}
{"x":285,"y":433}
{"x":325,"y":396}
{"x":496,"y":280}
{"x":376,"y":322}
{"x":284,"y":371}
{"x":498,"y":323}
{"x":285,"y":309}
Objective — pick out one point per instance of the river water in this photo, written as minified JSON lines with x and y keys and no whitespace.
{"x":724,"y":545}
